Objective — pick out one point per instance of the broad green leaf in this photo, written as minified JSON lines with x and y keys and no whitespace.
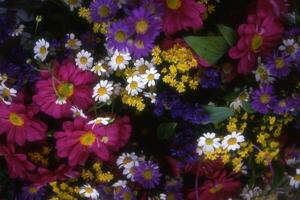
{"x":231,"y":96}
{"x":166,"y":130}
{"x":218,"y":114}
{"x":247,"y":107}
{"x":210,"y":48}
{"x":228,"y":33}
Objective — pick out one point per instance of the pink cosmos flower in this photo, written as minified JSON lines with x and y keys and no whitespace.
{"x":19,"y":124}
{"x":181,"y":15}
{"x":258,"y":37}
{"x":17,"y":164}
{"x":79,"y":140}
{"x":68,"y":86}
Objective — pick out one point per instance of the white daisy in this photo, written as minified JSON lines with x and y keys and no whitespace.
{"x":41,"y":49}
{"x":249,"y":193}
{"x":120,"y":183}
{"x":18,"y":31}
{"x":119,"y":60}
{"x":135,"y":85}
{"x":3,"y":77}
{"x":73,"y":4}
{"x":199,"y":151}
{"x":99,"y":68}
{"x":117,"y":88}
{"x":262,"y":74}
{"x":141,"y":65}
{"x":162,"y":196}
{"x":151,"y":95}
{"x":103,"y":91}
{"x":150,"y":76}
{"x":295,"y":180}
{"x":238,"y":102}
{"x":231,"y":142}
{"x":127,"y":160}
{"x":78,"y":112}
{"x":290,"y":46}
{"x":6,"y":93}
{"x":129,"y":172}
{"x":209,"y":142}
{"x":120,"y":3}
{"x":84,"y":60}
{"x":89,"y":192}
{"x":72,"y":42}
{"x":101,"y":120}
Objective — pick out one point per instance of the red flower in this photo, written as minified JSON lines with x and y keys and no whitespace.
{"x":221,"y":185}
{"x":17,"y":164}
{"x":181,"y":15}
{"x":271,"y":7}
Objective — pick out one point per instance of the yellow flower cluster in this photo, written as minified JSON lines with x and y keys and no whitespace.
{"x":40,"y":157}
{"x":238,"y":124}
{"x":210,"y":8}
{"x":133,"y":101}
{"x":63,"y":191}
{"x":96,"y":174}
{"x":177,"y":63}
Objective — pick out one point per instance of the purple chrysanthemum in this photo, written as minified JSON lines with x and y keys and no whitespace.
{"x":279,"y":65}
{"x":262,"y":99}
{"x":32,"y":193}
{"x":117,"y":38}
{"x":103,"y":10}
{"x":105,"y":192}
{"x":147,"y":174}
{"x":144,"y":25}
{"x":210,"y":79}
{"x":154,"y":7}
{"x":281,"y":106}
{"x":125,"y":193}
{"x":140,"y":48}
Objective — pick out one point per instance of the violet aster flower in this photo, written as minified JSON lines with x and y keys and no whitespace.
{"x":282,"y":106}
{"x":210,"y":79}
{"x":147,"y":174}
{"x":32,"y":193}
{"x":154,"y":7}
{"x":103,"y":10}
{"x":293,"y":32}
{"x":105,"y":192}
{"x":279,"y":65}
{"x":125,"y":193}
{"x":140,"y":47}
{"x":263,"y":99}
{"x":117,"y":38}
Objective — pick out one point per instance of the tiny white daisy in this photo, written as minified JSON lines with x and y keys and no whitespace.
{"x":141,"y":65}
{"x":120,"y":3}
{"x":72,"y":42}
{"x":117,"y":88}
{"x":99,"y":68}
{"x":290,"y":46}
{"x":18,"y":31}
{"x":295,"y":180}
{"x":127,"y":160}
{"x":120,"y":183}
{"x":3,"y":77}
{"x":209,"y":142}
{"x":199,"y":151}
{"x":129,"y":172}
{"x":78,"y":112}
{"x":6,"y":93}
{"x":73,"y":4}
{"x":89,"y":192}
{"x":250,"y":193}
{"x":135,"y":85}
{"x":103,"y":91}
{"x":150,"y":76}
{"x":151,"y":95}
{"x":41,"y":49}
{"x":231,"y":142}
{"x":84,"y":60}
{"x":101,"y":120}
{"x":162,"y":196}
{"x":238,"y":102}
{"x":119,"y":60}
{"x":262,"y":74}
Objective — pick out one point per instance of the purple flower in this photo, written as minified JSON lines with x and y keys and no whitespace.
{"x":282,"y":106}
{"x":140,"y":47}
{"x":117,"y":38}
{"x":262,"y":99}
{"x":279,"y":65}
{"x":154,"y":7}
{"x":210,"y":79}
{"x":147,"y":174}
{"x":105,"y":192}
{"x":295,"y":31}
{"x":124,"y":194}
{"x":32,"y":193}
{"x":103,"y":10}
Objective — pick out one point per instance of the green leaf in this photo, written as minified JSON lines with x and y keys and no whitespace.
{"x":210,"y":48}
{"x":278,"y":178}
{"x":228,"y":33}
{"x":218,"y":114}
{"x":231,"y":96}
{"x":247,"y":107}
{"x":166,"y":130}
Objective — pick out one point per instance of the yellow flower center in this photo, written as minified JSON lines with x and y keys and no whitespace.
{"x":216,"y":188}
{"x":72,"y":43}
{"x":83,"y":60}
{"x":88,"y":138}
{"x":72,"y":2}
{"x":262,"y":73}
{"x":120,"y":36}
{"x":232,"y":141}
{"x":282,"y":103}
{"x":209,"y":141}
{"x":15,"y":119}
{"x":102,"y":91}
{"x":173,"y":4}
{"x":297,"y":178}
{"x":150,"y":77}
{"x":119,"y":59}
{"x":127,"y":196}
{"x":147,"y":174}
{"x":32,"y":190}
{"x":127,"y":160}
{"x":141,"y":26}
{"x":142,"y":69}
{"x":139,"y":44}
{"x":265,"y":98}
{"x":43,"y":50}
{"x":290,"y":49}
{"x":133,"y":85}
{"x":104,"y":139}
{"x":171,"y":196}
{"x":256,"y":42}
{"x":89,"y":190}
{"x":65,"y":90}
{"x":103,"y":11}
{"x":6,"y":92}
{"x":279,"y":63}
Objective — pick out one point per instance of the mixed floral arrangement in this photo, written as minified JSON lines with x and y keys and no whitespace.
{"x":149,"y":99}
